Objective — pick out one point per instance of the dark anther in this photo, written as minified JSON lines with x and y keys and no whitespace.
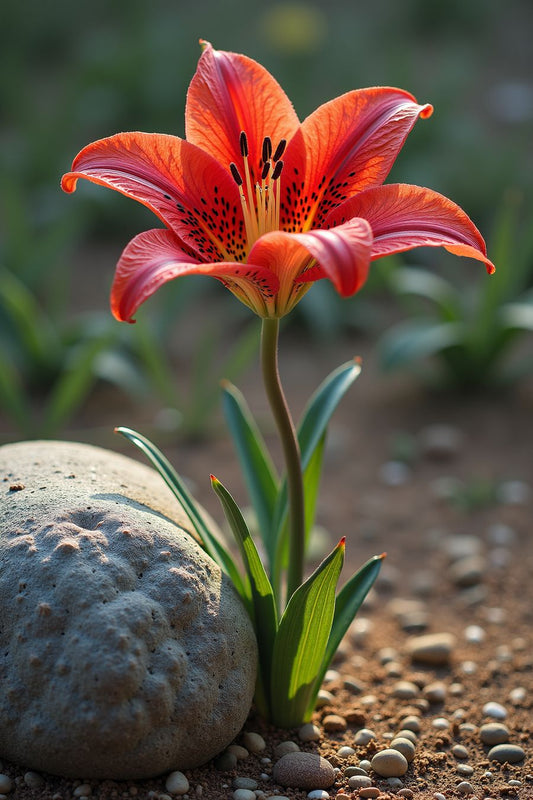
{"x":280,"y":149}
{"x":266,"y":170}
{"x":277,"y":170}
{"x":243,"y":142}
{"x":236,"y":174}
{"x":267,"y":148}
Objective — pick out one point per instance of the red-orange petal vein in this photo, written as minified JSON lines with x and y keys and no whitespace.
{"x":403,"y":217}
{"x":156,"y":256}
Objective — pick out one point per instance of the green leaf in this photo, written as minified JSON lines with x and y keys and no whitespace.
{"x":321,"y":406}
{"x":518,"y":315}
{"x":302,"y":637}
{"x":12,"y":397}
{"x":347,"y":604}
{"x":256,"y":464}
{"x":213,"y":547}
{"x":408,"y":342}
{"x":74,"y":383}
{"x":425,"y":284}
{"x":263,"y":603}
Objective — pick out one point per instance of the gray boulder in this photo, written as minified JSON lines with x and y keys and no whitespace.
{"x":124,"y":651}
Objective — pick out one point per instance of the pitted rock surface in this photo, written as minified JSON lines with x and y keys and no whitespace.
{"x":124,"y":651}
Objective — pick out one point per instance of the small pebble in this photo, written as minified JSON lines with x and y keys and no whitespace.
{"x":474,"y":634}
{"x":465,"y":769}
{"x":359,"y":781}
{"x":468,"y":571}
{"x":407,"y":734}
{"x":438,"y":796}
{"x":84,"y":790}
{"x":309,"y":733}
{"x":349,"y":772}
{"x":364,"y":736}
{"x":495,"y":710}
{"x":513,"y":493}
{"x":435,"y":692}
{"x":283,"y":748}
{"x":405,"y":690}
{"x":494,"y":733}
{"x":389,"y":763}
{"x":405,"y":747}
{"x":440,"y":441}
{"x":411,"y":723}
{"x":407,"y":793}
{"x":318,"y":794}
{"x":465,"y":787}
{"x":434,"y":649}
{"x":177,"y":783}
{"x":244,"y":794}
{"x":459,"y":751}
{"x":365,"y":764}
{"x":324,"y":698}
{"x":6,"y":784}
{"x":245,"y":783}
{"x":345,"y":751}
{"x":518,"y":695}
{"x":33,"y":780}
{"x":304,"y":771}
{"x":512,"y":753}
{"x":253,"y":742}
{"x":394,"y":473}
{"x":239,"y":752}
{"x":334,"y":722}
{"x":394,"y":783}
{"x":440,"y":723}
{"x":369,"y":792}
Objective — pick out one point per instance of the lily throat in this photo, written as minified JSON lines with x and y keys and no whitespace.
{"x":259,"y":189}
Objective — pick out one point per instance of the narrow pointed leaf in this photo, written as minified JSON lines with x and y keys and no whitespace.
{"x":347,"y":604}
{"x":407,"y":342}
{"x":209,"y":541}
{"x":321,"y":406}
{"x":258,"y":469}
{"x":301,"y":641}
{"x":74,"y":383}
{"x":263,"y":604}
{"x":12,"y":396}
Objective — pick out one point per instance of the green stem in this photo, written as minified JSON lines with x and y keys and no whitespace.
{"x":291,"y":452}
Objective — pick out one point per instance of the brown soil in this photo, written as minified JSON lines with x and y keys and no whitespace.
{"x":414,"y":526}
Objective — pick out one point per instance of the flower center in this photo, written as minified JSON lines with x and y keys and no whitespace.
{"x":260,"y":202}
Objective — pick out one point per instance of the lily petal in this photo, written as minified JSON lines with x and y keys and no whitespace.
{"x":403,"y":217}
{"x":154,"y":257}
{"x":341,"y":254}
{"x":187,"y":189}
{"x":230,"y":93}
{"x":347,"y":145}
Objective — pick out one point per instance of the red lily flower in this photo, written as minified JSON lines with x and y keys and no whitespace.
{"x":263,"y":203}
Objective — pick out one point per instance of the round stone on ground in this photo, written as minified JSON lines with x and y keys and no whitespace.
{"x":304,"y":771}
{"x":126,"y":652}
{"x":389,"y":763}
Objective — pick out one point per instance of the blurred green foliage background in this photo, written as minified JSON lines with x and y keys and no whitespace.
{"x":73,"y":72}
